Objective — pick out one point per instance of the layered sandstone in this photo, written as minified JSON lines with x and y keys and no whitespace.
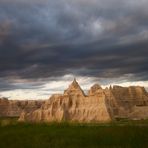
{"x":100,"y":105}
{"x":13,"y":108}
{"x":138,"y":113}
{"x":132,"y":99}
{"x":130,"y":96}
{"x":74,"y":105}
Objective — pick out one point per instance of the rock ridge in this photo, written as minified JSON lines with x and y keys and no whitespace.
{"x":100,"y":105}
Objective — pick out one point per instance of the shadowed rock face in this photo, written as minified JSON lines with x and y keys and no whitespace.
{"x":13,"y":108}
{"x":133,"y":100}
{"x":101,"y":105}
{"x":130,"y":96}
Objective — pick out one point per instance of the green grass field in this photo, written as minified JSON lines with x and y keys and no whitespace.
{"x":73,"y":135}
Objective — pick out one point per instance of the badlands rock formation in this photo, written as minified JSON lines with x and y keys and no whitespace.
{"x":134,"y":101}
{"x":13,"y":108}
{"x":100,"y":105}
{"x":73,"y":105}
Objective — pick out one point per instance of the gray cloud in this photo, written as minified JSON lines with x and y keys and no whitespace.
{"x":98,"y":38}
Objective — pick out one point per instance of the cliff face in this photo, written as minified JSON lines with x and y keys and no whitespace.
{"x":133,"y":100}
{"x":13,"y":108}
{"x":130,"y":96}
{"x":3,"y":106}
{"x":74,"y":105}
{"x":100,"y":105}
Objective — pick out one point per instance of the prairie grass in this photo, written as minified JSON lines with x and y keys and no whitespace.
{"x":123,"y":134}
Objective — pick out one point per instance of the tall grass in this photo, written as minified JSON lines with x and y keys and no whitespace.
{"x":73,"y":135}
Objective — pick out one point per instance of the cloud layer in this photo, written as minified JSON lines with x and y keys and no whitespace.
{"x":46,"y":39}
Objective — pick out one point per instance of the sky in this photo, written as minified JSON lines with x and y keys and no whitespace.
{"x":44,"y":44}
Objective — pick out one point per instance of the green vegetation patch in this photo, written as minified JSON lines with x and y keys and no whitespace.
{"x":73,"y":135}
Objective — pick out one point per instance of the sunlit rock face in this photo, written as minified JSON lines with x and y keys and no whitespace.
{"x":74,"y":89}
{"x":100,"y":105}
{"x":74,"y":105}
{"x":13,"y":108}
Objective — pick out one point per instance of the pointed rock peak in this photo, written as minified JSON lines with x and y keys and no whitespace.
{"x":74,"y":88}
{"x":74,"y":84}
{"x":74,"y":80}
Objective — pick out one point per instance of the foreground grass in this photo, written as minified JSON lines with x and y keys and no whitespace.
{"x":64,"y":135}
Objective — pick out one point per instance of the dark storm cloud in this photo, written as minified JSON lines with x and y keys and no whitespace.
{"x":6,"y":85}
{"x":98,"y":38}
